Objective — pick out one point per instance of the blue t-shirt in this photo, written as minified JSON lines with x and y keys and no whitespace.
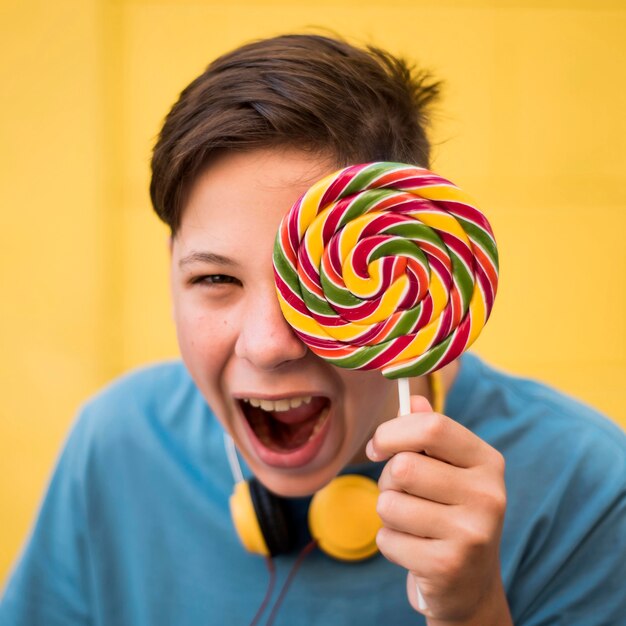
{"x":135,"y":527}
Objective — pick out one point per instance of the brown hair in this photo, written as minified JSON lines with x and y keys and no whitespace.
{"x":308,"y":91}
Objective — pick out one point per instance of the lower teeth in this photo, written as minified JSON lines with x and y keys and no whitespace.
{"x":320,"y":422}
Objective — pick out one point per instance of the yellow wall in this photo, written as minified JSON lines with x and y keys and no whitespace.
{"x":532,"y":124}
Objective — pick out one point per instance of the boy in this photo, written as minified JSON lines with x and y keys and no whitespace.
{"x":136,"y":527}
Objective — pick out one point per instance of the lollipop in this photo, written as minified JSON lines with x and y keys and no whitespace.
{"x":386,"y":266}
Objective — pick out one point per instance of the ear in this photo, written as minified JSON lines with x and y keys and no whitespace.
{"x":420,"y":404}
{"x":170,"y":246}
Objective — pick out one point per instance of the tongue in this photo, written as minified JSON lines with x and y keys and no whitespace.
{"x":288,"y":437}
{"x":300,"y":413}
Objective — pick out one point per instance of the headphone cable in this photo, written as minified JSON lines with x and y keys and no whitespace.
{"x":294,"y":569}
{"x":268,"y":593}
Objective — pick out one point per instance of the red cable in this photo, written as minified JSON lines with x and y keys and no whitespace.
{"x":283,"y":592}
{"x":268,"y":593}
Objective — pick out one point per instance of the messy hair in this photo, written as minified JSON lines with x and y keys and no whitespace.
{"x":312,"y":92}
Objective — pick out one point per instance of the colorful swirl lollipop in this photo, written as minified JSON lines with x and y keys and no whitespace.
{"x":386,"y":266}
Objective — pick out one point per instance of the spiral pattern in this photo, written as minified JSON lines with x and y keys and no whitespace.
{"x":386,"y":266}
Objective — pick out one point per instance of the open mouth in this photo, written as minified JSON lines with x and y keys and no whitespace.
{"x":287,"y":431}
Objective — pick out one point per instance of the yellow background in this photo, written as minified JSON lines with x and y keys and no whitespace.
{"x":532,"y":123}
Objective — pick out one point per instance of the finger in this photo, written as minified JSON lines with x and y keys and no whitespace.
{"x":415,"y":600}
{"x":433,"y":434}
{"x":414,"y":516}
{"x":420,"y":404}
{"x":416,"y":554}
{"x":425,"y":477}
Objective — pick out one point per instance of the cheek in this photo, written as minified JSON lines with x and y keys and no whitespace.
{"x":206,"y":341}
{"x":372,"y":398}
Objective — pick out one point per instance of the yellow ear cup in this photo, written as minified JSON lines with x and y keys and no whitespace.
{"x":245,"y":520}
{"x":435,"y":380}
{"x":343,"y":518}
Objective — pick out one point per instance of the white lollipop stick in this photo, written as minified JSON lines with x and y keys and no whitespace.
{"x":405,"y":396}
{"x":405,"y":408}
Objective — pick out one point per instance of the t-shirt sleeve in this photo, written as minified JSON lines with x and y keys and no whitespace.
{"x":49,"y":585}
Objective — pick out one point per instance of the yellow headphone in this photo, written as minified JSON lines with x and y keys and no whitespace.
{"x":342,"y":516}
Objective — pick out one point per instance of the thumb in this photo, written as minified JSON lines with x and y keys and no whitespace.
{"x":420,"y":404}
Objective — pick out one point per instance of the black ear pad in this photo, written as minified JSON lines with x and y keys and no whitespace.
{"x":273,"y":519}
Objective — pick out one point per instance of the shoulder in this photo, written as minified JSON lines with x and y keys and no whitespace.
{"x":155,"y":389}
{"x":526,"y":415}
{"x":130,"y":413}
{"x":150,"y":425}
{"x":559,"y":451}
{"x":566,"y":496}
{"x":143,"y":387}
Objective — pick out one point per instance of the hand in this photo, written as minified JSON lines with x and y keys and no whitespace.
{"x":442,"y":502}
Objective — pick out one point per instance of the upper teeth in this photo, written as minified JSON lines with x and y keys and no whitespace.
{"x":279,"y":405}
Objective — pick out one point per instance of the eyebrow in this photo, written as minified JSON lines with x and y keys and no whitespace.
{"x":206,"y":257}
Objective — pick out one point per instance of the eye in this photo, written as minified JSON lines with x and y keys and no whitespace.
{"x":211,"y":280}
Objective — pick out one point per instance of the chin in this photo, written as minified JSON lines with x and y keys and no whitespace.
{"x":295,"y":486}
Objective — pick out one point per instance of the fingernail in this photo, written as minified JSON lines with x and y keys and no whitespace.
{"x":369,"y":450}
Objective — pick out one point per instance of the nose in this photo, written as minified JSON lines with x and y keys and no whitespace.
{"x":266,"y":340}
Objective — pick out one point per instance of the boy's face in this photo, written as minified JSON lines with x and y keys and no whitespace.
{"x":237,"y":345}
